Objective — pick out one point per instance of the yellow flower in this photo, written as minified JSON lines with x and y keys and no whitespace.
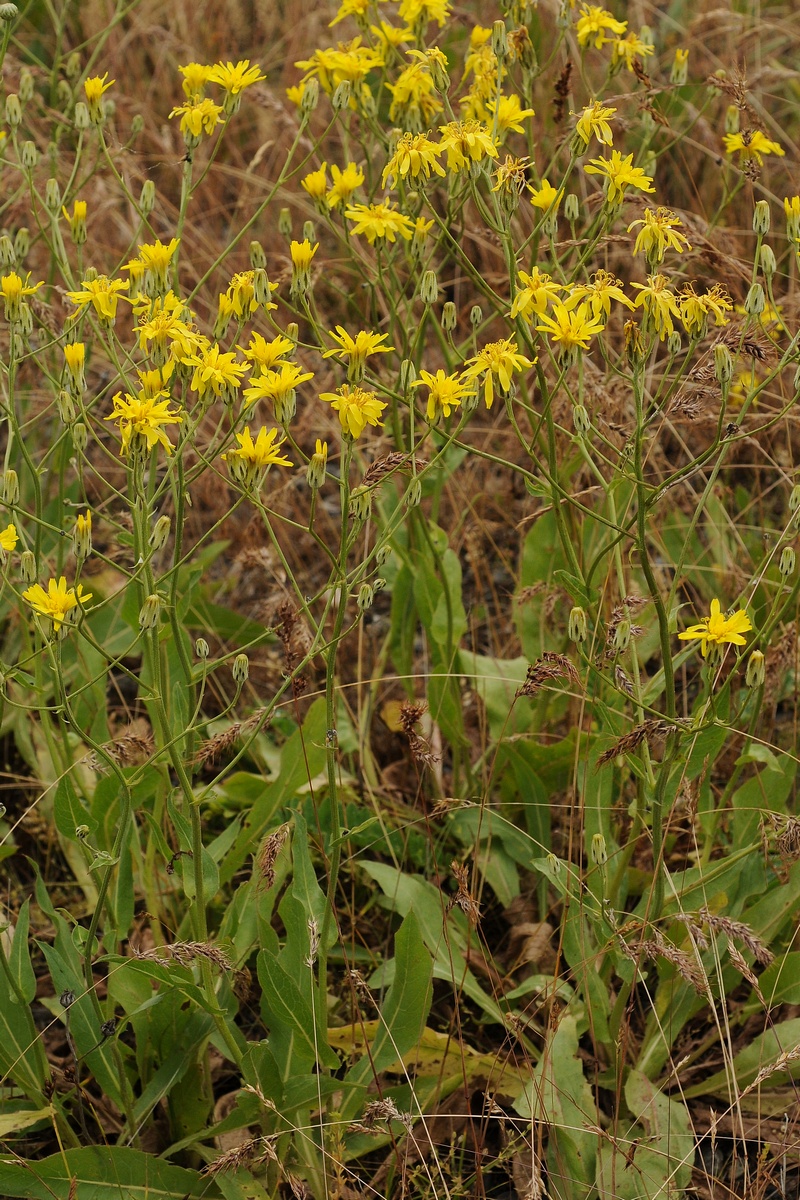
{"x":594,"y":120}
{"x":356,"y":349}
{"x":752,"y":144}
{"x":317,"y":465}
{"x":14,"y":291}
{"x":102,"y":293}
{"x":250,"y":457}
{"x":141,"y":418}
{"x":344,"y":184}
{"x":57,"y":602}
{"x":694,"y":309}
{"x":659,"y":302}
{"x":265,"y":355}
{"x":510,"y":113}
{"x":379,"y":221}
{"x":241,"y":296}
{"x":546,"y":197}
{"x":414,"y":99}
{"x":620,"y":173}
{"x":415,"y":154}
{"x":94,"y":87}
{"x":198,"y":116}
{"x":195,"y":77}
{"x":593,"y":23}
{"x":349,"y":60}
{"x":217,"y":370}
{"x":302,"y":254}
{"x":278,"y":385}
{"x":511,"y":177}
{"x":604,"y":288}
{"x":444,"y":392}
{"x":153,"y":262}
{"x":8,"y":538}
{"x":630,"y":48}
{"x":570,"y":327}
{"x":235,"y":77}
{"x":162,"y":322}
{"x":356,"y":408}
{"x":411,"y":11}
{"x":316,"y":182}
{"x":75,"y":359}
{"x":717,"y":630}
{"x":792,"y":209}
{"x":82,"y":535}
{"x":351,"y":8}
{"x":466,"y":142}
{"x":77,"y":221}
{"x":657,"y":235}
{"x":537,"y":291}
{"x":391,"y":35}
{"x":496,"y":359}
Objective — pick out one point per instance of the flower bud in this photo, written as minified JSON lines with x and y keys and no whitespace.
{"x":65,"y":406}
{"x":292,"y":332}
{"x":202,"y":648}
{"x":150,"y":612}
{"x":572,"y":207}
{"x":761,"y":218}
{"x":310,"y":98}
{"x":408,"y":374}
{"x":258,"y":258}
{"x":27,"y":566}
{"x":360,"y":505}
{"x":679,"y":72}
{"x":52,"y":196}
{"x":341,"y":96}
{"x":8,"y":12}
{"x":378,"y":584}
{"x":476,"y":316}
{"x":598,"y":850}
{"x":449,"y":316}
{"x":732,"y":118}
{"x":768,"y":264}
{"x":137,"y":124}
{"x":787,"y":563}
{"x":81,"y":832}
{"x":581,"y":420}
{"x":309,"y":232}
{"x":622,"y":635}
{"x":723,"y":364}
{"x":13,"y":110}
{"x":429,"y":288}
{"x":554,"y":863}
{"x":29,"y":156}
{"x":794,"y":498}
{"x":22,"y":243}
{"x":674,"y":343}
{"x":10,"y":487}
{"x":550,"y":224}
{"x":365,"y":597}
{"x":261,"y":288}
{"x":80,"y":436}
{"x":578,"y":627}
{"x":147,"y":198}
{"x":73,"y":66}
{"x":82,"y":118}
{"x":25,"y":323}
{"x":754,"y":302}
{"x":792,"y":209}
{"x":64,"y":95}
{"x":499,"y":40}
{"x":82,"y":536}
{"x":285,"y":223}
{"x":317,"y":465}
{"x":414,"y":493}
{"x":160,"y":533}
{"x":8,"y":257}
{"x":240,"y":669}
{"x":756,"y":671}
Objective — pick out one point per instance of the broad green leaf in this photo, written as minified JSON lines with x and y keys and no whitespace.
{"x":100,"y":1173}
{"x":637,"y":1167}
{"x":19,"y":958}
{"x":286,"y":1005}
{"x":23,"y":1118}
{"x":761,"y":1054}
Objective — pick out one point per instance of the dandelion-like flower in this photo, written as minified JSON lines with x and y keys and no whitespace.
{"x":356,"y":407}
{"x":316,"y":182}
{"x":264,"y":355}
{"x":153,"y":263}
{"x":58,"y":602}
{"x":251,"y":458}
{"x":718,"y":630}
{"x":496,"y":362}
{"x":752,"y":145}
{"x":344,"y":184}
{"x":302,"y":255}
{"x":14,"y":290}
{"x":414,"y":155}
{"x":604,"y":288}
{"x":445,"y":392}
{"x":629,"y":48}
{"x":278,"y":385}
{"x":620,"y":174}
{"x":509,"y":113}
{"x":571,"y":328}
{"x":659,"y":302}
{"x":195,"y":77}
{"x":594,"y":22}
{"x":217,"y":371}
{"x":379,"y":221}
{"x":234,"y":78}
{"x":412,"y":11}
{"x":538,"y":290}
{"x":141,"y":420}
{"x":594,"y":121}
{"x":103,"y":294}
{"x":356,"y":350}
{"x":658,"y":234}
{"x":546,"y":198}
{"x":8,"y":539}
{"x":198,"y":116}
{"x":94,"y":89}
{"x":164,"y":330}
{"x":466,"y":142}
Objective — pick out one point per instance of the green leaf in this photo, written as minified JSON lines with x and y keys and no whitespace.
{"x":69,"y":811}
{"x":760,"y":1054}
{"x":100,"y":1173}
{"x":19,"y":959}
{"x":637,"y":1167}
{"x":286,"y":1005}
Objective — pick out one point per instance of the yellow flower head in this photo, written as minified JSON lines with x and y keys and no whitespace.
{"x":141,"y":419}
{"x":496,"y":361}
{"x":8,"y":539}
{"x":344,"y":184}
{"x":546,"y":197}
{"x":379,"y":221}
{"x":58,"y":602}
{"x":659,"y":302}
{"x":593,"y":23}
{"x":356,"y":408}
{"x":217,"y":371}
{"x":629,"y":48}
{"x":752,"y":145}
{"x":251,"y":458}
{"x":279,"y":386}
{"x":316,"y":182}
{"x":264,"y":355}
{"x":537,"y":291}
{"x":94,"y":87}
{"x":718,"y":630}
{"x":356,"y":349}
{"x":351,"y":8}
{"x":14,"y":290}
{"x":103,"y":294}
{"x":571,"y":328}
{"x":466,"y":142}
{"x":658,"y":234}
{"x":445,"y":392}
{"x":620,"y":174}
{"x":302,"y":254}
{"x":198,"y":117}
{"x":412,"y":11}
{"x":195,"y":77}
{"x":604,"y":288}
{"x":414,"y":99}
{"x":235,"y":77}
{"x":594,"y":120}
{"x":509,"y":112}
{"x":414,"y":155}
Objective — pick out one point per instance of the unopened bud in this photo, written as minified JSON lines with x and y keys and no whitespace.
{"x":429,"y":288}
{"x":52,"y":196}
{"x":261,"y":288}
{"x":82,"y":535}
{"x":383,"y":554}
{"x":768,"y":263}
{"x":82,"y":117}
{"x":756,"y":671}
{"x":81,"y":832}
{"x":147,"y":198}
{"x":150,"y":612}
{"x":408,"y":374}
{"x":317,"y":465}
{"x":360,"y":505}
{"x":572,"y":207}
{"x":8,"y":12}
{"x":674,"y":343}
{"x":761,"y":217}
{"x":22,"y":243}
{"x":202,"y":648}
{"x":310,"y":97}
{"x":29,"y":156}
{"x":160,"y":532}
{"x":499,"y":40}
{"x":73,"y":67}
{"x":8,"y":257}
{"x":581,"y":420}
{"x":554,"y":863}
{"x":794,"y":498}
{"x":723,"y":364}
{"x":27,"y":566}
{"x":622,"y":635}
{"x":13,"y":110}
{"x":754,"y":302}
{"x":65,"y":406}
{"x":80,"y":436}
{"x":341,"y":96}
{"x":578,"y":627}
{"x":680,"y":68}
{"x":258,"y":258}
{"x":787,"y":563}
{"x":10,"y":487}
{"x":732,"y":118}
{"x":285,"y":223}
{"x":137,"y":124}
{"x":476,"y":316}
{"x":67,"y":998}
{"x":365,"y":597}
{"x":598,"y":850}
{"x":449,"y":316}
{"x":292,"y":332}
{"x":240,"y":669}
{"x":414,"y":493}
